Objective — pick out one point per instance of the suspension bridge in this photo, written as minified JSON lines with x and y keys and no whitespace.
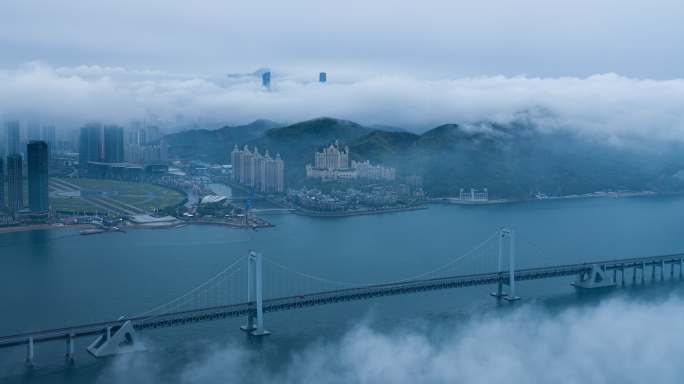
{"x":254,"y":285}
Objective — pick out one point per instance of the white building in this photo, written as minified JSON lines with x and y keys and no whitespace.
{"x":332,"y":163}
{"x":366,"y":170}
{"x":332,"y":158}
{"x":261,"y":172}
{"x":474,"y":195}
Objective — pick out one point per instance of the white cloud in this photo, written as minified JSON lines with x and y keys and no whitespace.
{"x":618,"y":341}
{"x":612,"y":106}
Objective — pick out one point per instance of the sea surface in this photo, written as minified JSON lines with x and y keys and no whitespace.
{"x":50,"y":279}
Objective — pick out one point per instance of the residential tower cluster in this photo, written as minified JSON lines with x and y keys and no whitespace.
{"x":263,"y":173}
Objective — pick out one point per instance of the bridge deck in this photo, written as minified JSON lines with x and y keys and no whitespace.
{"x":335,"y":296}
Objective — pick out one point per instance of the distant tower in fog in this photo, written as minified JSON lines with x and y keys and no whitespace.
{"x":15,"y":183}
{"x":266,"y":80}
{"x":33,"y":131}
{"x":2,"y":183}
{"x":322,"y":77}
{"x":48,"y":135}
{"x":37,"y":154}
{"x":113,"y":144}
{"x":90,"y":144}
{"x":12,"y":140}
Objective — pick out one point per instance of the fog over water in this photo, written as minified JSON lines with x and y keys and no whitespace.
{"x":616,"y":341}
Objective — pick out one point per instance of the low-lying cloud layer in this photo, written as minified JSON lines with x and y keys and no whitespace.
{"x":616,"y":342}
{"x":604,"y":104}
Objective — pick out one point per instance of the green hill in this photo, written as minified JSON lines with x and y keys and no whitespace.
{"x":298,"y":142}
{"x":214,"y":145}
{"x":511,"y":160}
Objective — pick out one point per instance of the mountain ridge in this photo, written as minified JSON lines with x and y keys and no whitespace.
{"x":514,"y":160}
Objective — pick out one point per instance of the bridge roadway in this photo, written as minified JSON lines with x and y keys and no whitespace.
{"x":337,"y":296}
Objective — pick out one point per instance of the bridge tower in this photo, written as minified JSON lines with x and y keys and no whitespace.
{"x":255,"y":296}
{"x":506,"y":234}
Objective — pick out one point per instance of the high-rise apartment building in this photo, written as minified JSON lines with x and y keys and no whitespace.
{"x":37,"y":156}
{"x":261,"y":172}
{"x":322,"y":77}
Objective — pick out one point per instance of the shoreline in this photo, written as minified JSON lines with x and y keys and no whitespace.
{"x":229,"y":225}
{"x":301,"y":212}
{"x":593,"y":195}
{"x":42,"y":227}
{"x":455,"y":201}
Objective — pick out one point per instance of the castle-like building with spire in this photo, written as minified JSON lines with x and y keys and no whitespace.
{"x":262,"y":172}
{"x":333,"y":163}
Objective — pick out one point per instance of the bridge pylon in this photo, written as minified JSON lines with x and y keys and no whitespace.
{"x":255,"y":296}
{"x":506,"y":234}
{"x":499,"y":294}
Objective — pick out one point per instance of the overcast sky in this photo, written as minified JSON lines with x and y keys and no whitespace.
{"x":442,"y":37}
{"x":389,"y":62}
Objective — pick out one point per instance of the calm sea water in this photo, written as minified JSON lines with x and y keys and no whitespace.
{"x":56,"y":278}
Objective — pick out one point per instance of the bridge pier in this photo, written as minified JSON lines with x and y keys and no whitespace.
{"x":634,"y":273}
{"x":596,"y":277}
{"x":643,"y":272}
{"x":29,"y":351}
{"x":123,"y":340}
{"x":499,"y":294}
{"x":255,"y":288}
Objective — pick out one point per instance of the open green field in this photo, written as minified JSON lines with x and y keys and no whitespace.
{"x":74,"y":205}
{"x":141,"y":195}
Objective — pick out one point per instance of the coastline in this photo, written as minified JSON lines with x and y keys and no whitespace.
{"x":42,"y":227}
{"x":303,"y":212}
{"x":593,"y":195}
{"x":229,"y":225}
{"x":455,"y":201}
